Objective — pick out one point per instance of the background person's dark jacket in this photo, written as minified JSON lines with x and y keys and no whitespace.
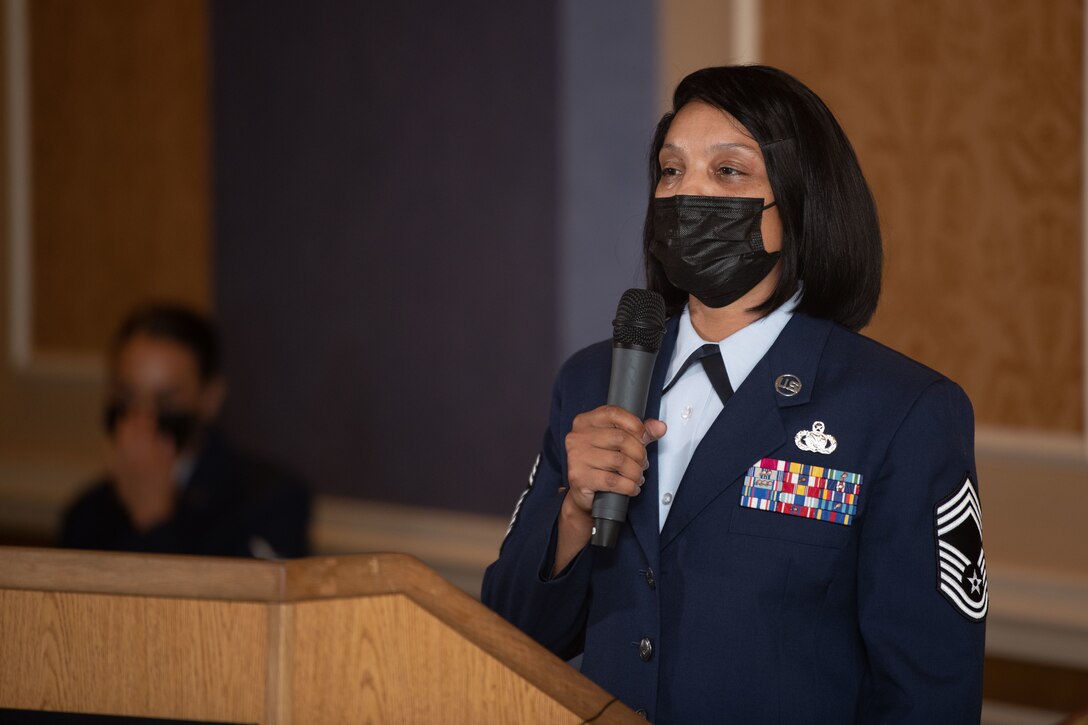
{"x":233,"y":505}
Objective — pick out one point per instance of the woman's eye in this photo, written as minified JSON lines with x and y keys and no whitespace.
{"x":670,"y":171}
{"x":728,"y":171}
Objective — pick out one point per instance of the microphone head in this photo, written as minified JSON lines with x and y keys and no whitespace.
{"x":640,"y":320}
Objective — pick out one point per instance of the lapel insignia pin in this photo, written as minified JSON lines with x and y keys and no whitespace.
{"x":815,"y":440}
{"x":787,"y":385}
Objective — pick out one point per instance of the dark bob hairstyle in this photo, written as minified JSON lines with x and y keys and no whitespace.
{"x":188,"y":328}
{"x":830,"y":233}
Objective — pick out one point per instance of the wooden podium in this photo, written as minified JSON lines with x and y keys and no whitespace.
{"x":355,"y":639}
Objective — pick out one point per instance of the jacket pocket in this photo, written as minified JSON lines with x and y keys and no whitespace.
{"x":774,"y":525}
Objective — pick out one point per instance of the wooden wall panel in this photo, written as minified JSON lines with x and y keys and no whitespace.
{"x":118,"y":163}
{"x":967,"y":119}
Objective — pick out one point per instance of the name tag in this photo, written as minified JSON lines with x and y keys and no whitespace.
{"x":796,"y":489}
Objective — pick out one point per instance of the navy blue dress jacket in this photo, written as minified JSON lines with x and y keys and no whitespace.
{"x":735,"y":614}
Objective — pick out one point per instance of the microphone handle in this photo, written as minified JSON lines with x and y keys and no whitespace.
{"x":628,"y":388}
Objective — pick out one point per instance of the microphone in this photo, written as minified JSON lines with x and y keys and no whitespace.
{"x":636,"y":338}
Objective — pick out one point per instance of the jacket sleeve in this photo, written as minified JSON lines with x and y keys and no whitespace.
{"x":924,"y":641}
{"x":519,"y":585}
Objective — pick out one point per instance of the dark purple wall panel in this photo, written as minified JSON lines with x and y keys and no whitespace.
{"x":385,"y":254}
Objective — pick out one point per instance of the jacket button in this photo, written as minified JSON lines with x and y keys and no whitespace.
{"x":645,"y":649}
{"x":641,"y":713}
{"x":650,"y":581}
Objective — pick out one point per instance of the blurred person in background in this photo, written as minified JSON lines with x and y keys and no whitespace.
{"x":174,"y":484}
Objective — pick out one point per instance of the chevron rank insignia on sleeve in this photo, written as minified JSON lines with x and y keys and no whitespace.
{"x":521,"y":499}
{"x":961,"y":562}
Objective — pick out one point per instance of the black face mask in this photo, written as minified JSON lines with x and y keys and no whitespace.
{"x":179,"y":426}
{"x":711,"y":246}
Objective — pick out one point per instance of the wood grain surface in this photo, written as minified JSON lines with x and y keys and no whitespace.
{"x":385,"y":660}
{"x":966,"y":117}
{"x":119,"y":163}
{"x":340,"y":639}
{"x":132,"y":655}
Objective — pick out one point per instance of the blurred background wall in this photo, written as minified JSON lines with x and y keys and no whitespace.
{"x":405,"y":215}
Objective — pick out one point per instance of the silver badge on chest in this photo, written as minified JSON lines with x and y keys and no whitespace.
{"x":815,"y":440}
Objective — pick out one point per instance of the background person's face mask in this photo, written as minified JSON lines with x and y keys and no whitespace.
{"x":180,"y":426}
{"x":711,"y":246}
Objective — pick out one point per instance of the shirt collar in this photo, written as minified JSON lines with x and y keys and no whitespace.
{"x":742,"y":350}
{"x":183,"y":469}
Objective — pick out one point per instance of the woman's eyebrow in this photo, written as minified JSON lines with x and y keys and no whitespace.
{"x":724,"y":146}
{"x":734,"y":145}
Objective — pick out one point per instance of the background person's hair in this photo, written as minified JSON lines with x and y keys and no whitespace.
{"x":177,"y":323}
{"x":830,"y":232}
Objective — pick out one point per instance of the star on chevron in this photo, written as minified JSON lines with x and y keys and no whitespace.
{"x":975,"y":582}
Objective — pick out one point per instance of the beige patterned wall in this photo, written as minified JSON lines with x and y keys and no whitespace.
{"x":966,"y":116}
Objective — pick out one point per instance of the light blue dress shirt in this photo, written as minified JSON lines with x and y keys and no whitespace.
{"x":691,"y":405}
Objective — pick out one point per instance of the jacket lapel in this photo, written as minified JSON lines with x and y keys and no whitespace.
{"x":750,"y":426}
{"x":643,"y":511}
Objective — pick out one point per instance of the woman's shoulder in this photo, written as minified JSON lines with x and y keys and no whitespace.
{"x":872,"y":361}
{"x":588,"y":364}
{"x":865,"y":349}
{"x":582,"y":382}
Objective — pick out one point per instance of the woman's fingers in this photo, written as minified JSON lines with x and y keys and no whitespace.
{"x":606,"y":470}
{"x":606,"y":451}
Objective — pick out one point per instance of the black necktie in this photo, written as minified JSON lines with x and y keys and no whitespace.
{"x":710,"y":356}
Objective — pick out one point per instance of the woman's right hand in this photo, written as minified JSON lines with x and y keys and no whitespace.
{"x":606,"y":451}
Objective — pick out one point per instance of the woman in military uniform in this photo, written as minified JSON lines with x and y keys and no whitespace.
{"x":803,"y":542}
